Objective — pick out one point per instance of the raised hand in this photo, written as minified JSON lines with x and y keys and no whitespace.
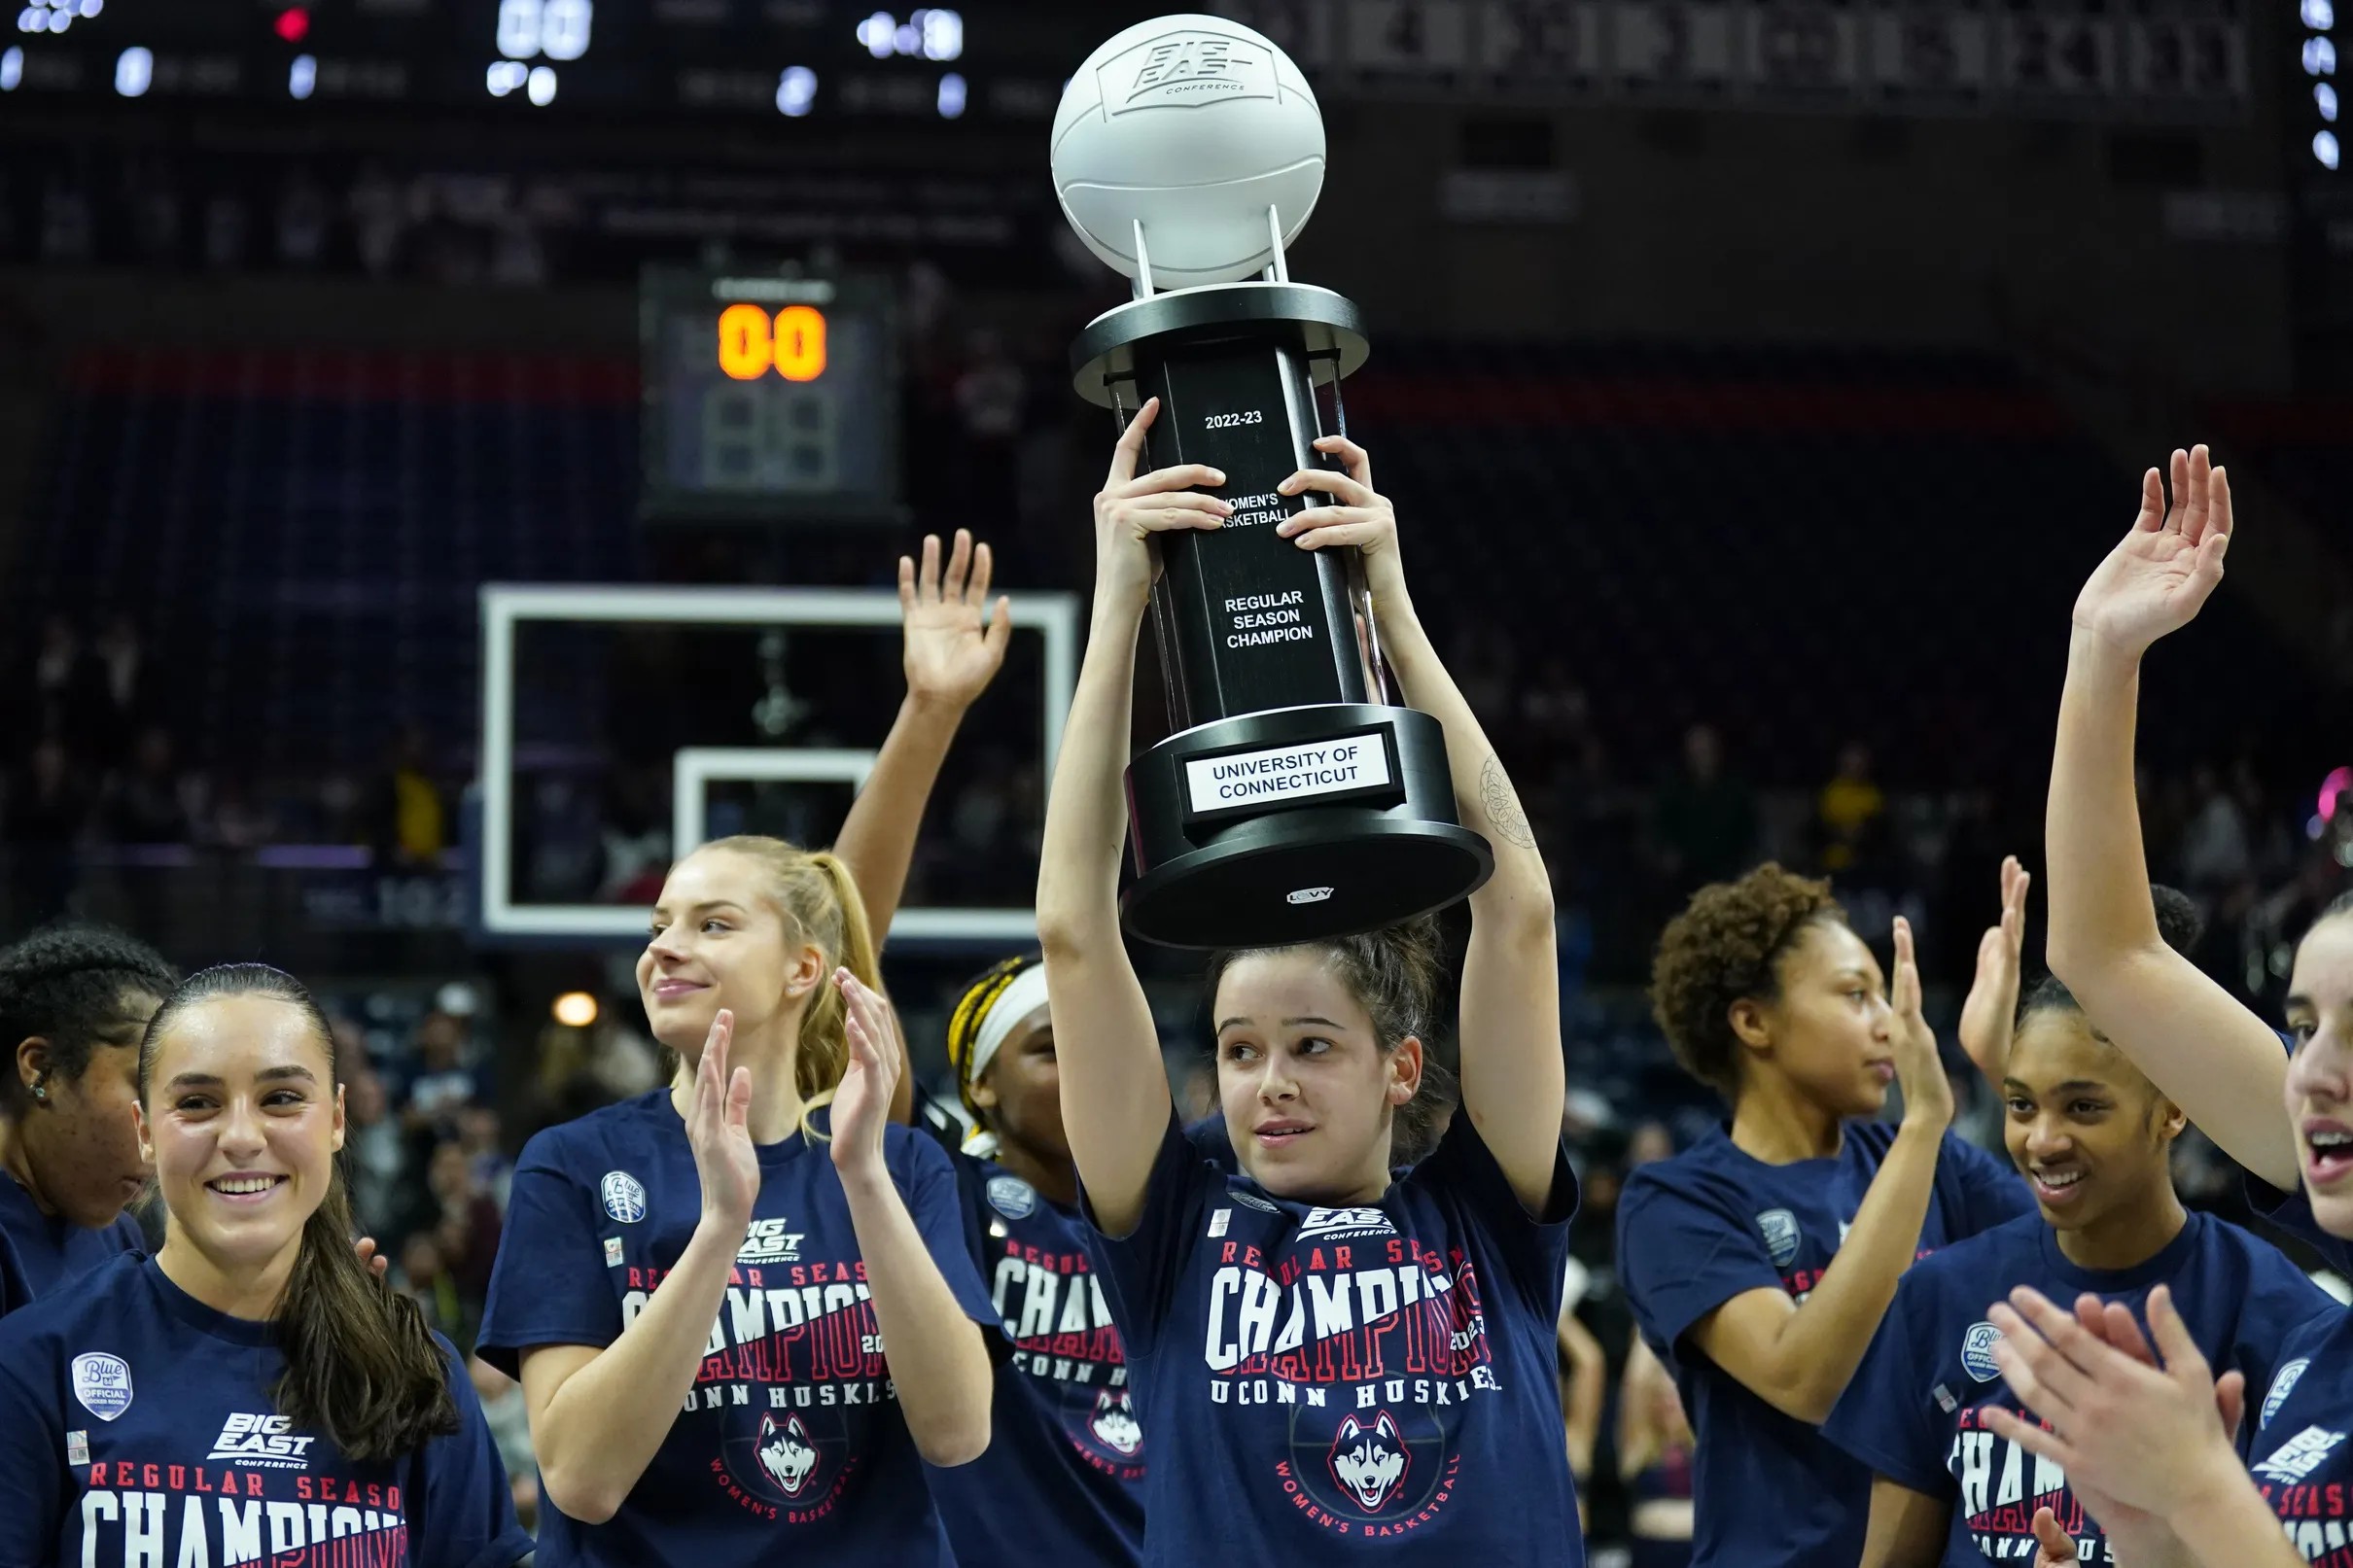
{"x":2138,"y":1436}
{"x":1990,"y":1011}
{"x":862,"y":1105}
{"x":718,"y":1128}
{"x":954,"y":639}
{"x":1918,"y":1070}
{"x":1358,"y":515}
{"x":2156,"y":581}
{"x":1130,"y":510}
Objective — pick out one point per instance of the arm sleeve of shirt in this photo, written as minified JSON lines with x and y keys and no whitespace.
{"x":1681,"y":1258}
{"x":2279,"y":1300}
{"x":2291,"y":1211}
{"x":927,"y":1181}
{"x":33,"y":1480}
{"x":1881,"y":1418}
{"x":549,"y":1285}
{"x":468,"y":1520}
{"x":1141,"y":1269}
{"x":1991,"y":1191}
{"x":1534,"y":1246}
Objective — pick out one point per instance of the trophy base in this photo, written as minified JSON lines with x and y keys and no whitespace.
{"x":1296,"y":824}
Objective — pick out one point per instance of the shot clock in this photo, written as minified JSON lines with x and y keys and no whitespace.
{"x":768,"y":396}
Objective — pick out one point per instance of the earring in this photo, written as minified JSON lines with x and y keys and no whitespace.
{"x":41,"y":1087}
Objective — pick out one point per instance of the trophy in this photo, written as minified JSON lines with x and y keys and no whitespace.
{"x":1293,"y":800}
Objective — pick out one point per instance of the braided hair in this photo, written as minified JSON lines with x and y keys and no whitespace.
{"x":65,"y":984}
{"x":971,"y":1014}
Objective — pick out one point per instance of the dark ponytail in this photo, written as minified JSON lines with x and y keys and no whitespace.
{"x":1394,"y":974}
{"x":360,"y":1366}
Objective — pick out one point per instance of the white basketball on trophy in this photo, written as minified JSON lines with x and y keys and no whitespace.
{"x":1193,"y":126}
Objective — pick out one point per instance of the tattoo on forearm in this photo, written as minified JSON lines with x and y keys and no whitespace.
{"x":1503,"y":813}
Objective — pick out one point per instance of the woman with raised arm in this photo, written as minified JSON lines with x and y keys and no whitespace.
{"x":2149,"y":1450}
{"x":253,"y":1392}
{"x":741,"y":1307}
{"x":2095,"y":1139}
{"x":1063,"y":1479}
{"x":1350,"y":1360}
{"x":1760,"y":1261}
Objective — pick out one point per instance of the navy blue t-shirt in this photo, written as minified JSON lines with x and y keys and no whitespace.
{"x":2301,"y":1452}
{"x":136,"y":1427}
{"x":1330,"y":1382}
{"x":38,"y":1252}
{"x":1914,"y":1412}
{"x":790,"y":1446}
{"x":1062,"y":1481}
{"x":1713,"y":1223}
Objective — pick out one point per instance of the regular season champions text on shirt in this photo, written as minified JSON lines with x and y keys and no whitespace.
{"x":1914,"y":1412}
{"x":1061,"y":1480}
{"x":2300,"y":1454}
{"x":137,"y":1430}
{"x":1377,"y":1375}
{"x":792,"y":1431}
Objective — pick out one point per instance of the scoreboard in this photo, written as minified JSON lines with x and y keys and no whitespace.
{"x":768,"y":396}
{"x":2183,"y":62}
{"x":1001,"y":59}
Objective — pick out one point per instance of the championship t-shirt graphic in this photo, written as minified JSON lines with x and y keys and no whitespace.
{"x":1062,"y":1479}
{"x":1377,"y":1380}
{"x":1716,"y":1222}
{"x":1915,"y":1411}
{"x":2300,"y":1451}
{"x":790,"y":1438}
{"x":136,"y":1431}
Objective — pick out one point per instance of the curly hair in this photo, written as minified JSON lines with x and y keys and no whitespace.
{"x":1394,"y":974}
{"x":1727,"y":946}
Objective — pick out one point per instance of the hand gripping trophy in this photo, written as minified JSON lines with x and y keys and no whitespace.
{"x":1292,"y":801}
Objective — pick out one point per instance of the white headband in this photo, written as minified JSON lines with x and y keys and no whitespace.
{"x":1018,"y":1000}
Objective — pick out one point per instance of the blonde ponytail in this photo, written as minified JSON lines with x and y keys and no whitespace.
{"x":816,"y":894}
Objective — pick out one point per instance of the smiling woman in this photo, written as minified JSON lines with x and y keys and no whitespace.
{"x":696,"y":1287}
{"x":1358,"y":1356}
{"x":1760,"y":1261}
{"x":294,"y":1379}
{"x":2093,"y":1137}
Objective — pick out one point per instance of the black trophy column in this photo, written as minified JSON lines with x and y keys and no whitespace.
{"x":1254,"y":622}
{"x":1290,"y":803}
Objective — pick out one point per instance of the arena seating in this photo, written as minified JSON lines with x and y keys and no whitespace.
{"x":1848,"y":539}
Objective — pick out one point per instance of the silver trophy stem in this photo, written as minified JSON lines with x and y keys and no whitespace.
{"x":1144,"y":262}
{"x":1275,"y":270}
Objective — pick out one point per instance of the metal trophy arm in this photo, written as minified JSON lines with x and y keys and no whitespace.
{"x":1292,"y":801}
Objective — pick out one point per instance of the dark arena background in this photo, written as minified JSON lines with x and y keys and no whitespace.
{"x":410,"y":412}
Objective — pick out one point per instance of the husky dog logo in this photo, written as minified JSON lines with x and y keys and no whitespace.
{"x":1114,"y":1422}
{"x":786,"y":1453}
{"x":1369,"y":1460}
